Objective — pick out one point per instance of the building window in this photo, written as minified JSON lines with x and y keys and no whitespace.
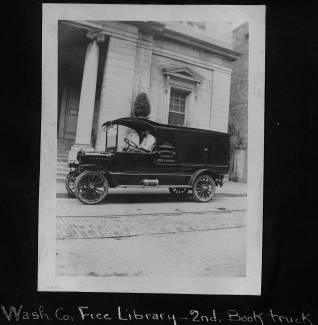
{"x":177,"y":106}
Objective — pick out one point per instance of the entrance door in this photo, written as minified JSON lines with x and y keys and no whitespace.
{"x":72,"y":104}
{"x":69,"y":112}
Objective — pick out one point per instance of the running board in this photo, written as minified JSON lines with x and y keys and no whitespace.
{"x":157,"y":186}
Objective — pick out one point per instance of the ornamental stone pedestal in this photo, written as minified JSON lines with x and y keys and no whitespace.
{"x":238,"y":164}
{"x":87,"y":97}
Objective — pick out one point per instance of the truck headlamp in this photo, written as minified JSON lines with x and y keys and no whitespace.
{"x":73,"y":163}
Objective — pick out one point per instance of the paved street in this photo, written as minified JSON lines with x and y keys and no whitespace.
{"x":149,"y":232}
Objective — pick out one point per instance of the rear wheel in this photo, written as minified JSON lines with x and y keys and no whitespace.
{"x":203,"y":188}
{"x":178,"y":190}
{"x":91,"y":187}
{"x":69,"y":184}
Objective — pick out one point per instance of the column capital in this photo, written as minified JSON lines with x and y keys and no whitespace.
{"x":95,"y":35}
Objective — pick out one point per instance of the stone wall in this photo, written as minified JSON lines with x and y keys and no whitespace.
{"x":220,"y":101}
{"x":207,"y":109}
{"x":198,"y":108}
{"x":142,"y":64}
{"x":238,"y":118}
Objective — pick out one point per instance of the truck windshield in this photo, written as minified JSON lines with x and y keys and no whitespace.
{"x":111,"y":137}
{"x":115,"y":136}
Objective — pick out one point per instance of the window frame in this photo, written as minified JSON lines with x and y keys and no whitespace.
{"x":188,"y":93}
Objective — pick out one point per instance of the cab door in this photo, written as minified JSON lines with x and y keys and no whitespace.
{"x":131,"y":168}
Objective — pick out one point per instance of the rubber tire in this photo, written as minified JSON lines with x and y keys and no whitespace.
{"x":69,"y":190}
{"x":78,"y":181}
{"x":195,"y":194}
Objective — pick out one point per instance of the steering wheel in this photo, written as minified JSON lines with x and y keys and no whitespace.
{"x":130,"y":143}
{"x":133,"y":144}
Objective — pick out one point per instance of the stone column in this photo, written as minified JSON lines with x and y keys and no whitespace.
{"x":117,"y":87}
{"x":87,"y":97}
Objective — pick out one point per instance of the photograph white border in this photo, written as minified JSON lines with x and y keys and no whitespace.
{"x":47,"y":279}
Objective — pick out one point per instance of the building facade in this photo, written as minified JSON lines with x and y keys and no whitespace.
{"x":238,"y":117}
{"x":104,"y":65}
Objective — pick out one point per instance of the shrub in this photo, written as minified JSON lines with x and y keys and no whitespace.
{"x":141,"y":106}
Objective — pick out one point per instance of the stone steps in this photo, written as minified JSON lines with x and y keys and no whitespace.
{"x":62,"y":162}
{"x":63,"y":169}
{"x":62,"y":159}
{"x":62,"y":156}
{"x":62,"y":174}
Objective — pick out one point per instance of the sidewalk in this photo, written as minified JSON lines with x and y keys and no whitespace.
{"x":234,"y":188}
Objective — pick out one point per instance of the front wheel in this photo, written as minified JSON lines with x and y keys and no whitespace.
{"x":91,"y":187}
{"x":203,"y":188}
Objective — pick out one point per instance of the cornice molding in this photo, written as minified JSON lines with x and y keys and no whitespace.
{"x":189,"y":60}
{"x":157,"y":29}
{"x":83,"y":24}
{"x":197,"y":42}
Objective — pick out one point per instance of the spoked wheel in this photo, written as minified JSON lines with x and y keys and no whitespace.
{"x":69,"y":184}
{"x":203,"y":188}
{"x":91,"y":187}
{"x":178,"y":190}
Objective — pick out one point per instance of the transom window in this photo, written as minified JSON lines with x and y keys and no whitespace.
{"x":177,"y":106}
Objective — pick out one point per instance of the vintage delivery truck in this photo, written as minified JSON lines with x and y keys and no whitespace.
{"x":180,"y":158}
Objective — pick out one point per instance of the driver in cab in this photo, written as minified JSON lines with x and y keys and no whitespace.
{"x":147,"y":143}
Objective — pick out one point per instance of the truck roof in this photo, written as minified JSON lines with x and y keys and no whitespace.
{"x":139,"y":123}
